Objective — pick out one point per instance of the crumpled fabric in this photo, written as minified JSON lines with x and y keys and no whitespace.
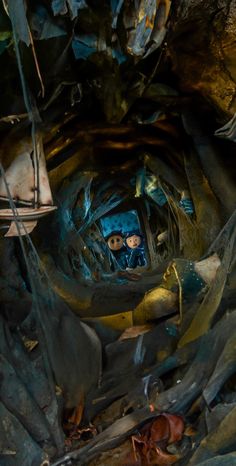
{"x":154,"y":191}
{"x":148,"y":184}
{"x":187,"y":206}
{"x":139,"y":21}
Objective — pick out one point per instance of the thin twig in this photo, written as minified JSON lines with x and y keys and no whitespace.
{"x":13,"y":118}
{"x":36,"y":61}
{"x":180,"y":294}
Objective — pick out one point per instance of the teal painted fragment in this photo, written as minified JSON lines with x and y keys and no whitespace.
{"x":84,"y":46}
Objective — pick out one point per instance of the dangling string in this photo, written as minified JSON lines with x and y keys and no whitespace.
{"x":32,"y":112}
{"x":34,"y":282}
{"x":36,"y":62}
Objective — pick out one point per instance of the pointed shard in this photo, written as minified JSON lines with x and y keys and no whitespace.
{"x":228,"y":131}
{"x":25,"y":214}
{"x":45,"y":195}
{"x":22,"y":229}
{"x":60,"y":7}
{"x":19,"y":177}
{"x":17,"y":13}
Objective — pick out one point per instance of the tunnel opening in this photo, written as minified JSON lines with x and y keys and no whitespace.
{"x":93,"y":309}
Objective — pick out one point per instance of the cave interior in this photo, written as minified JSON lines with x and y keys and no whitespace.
{"x":117,"y":233}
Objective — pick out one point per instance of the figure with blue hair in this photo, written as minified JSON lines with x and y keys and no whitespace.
{"x":136,"y":253}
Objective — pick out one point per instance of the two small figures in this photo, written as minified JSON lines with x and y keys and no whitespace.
{"x":127,"y":249}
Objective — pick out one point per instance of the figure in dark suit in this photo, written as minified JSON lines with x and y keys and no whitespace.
{"x":115,"y":242}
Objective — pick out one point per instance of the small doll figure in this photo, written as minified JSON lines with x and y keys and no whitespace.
{"x":115,"y":242}
{"x":136,"y":253}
